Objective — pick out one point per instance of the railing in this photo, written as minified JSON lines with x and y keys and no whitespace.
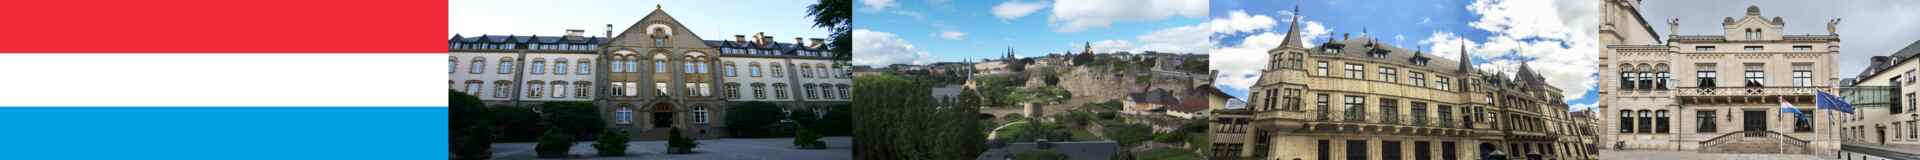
{"x":1361,"y":116}
{"x":1716,"y":141}
{"x":1747,"y":91}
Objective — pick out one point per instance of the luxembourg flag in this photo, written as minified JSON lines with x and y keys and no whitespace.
{"x":1788,"y":108}
{"x":223,"y":79}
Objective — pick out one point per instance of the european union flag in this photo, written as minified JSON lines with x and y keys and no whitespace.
{"x":1824,"y":100}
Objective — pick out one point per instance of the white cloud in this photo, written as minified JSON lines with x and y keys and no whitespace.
{"x":1240,"y":64}
{"x":1238,"y":21}
{"x":1015,"y":9}
{"x":882,"y":48}
{"x":1183,"y":39}
{"x":1108,"y":46}
{"x":1556,"y":35}
{"x":879,"y":4}
{"x":1078,"y":15}
{"x":951,"y":35}
{"x":1446,"y":45}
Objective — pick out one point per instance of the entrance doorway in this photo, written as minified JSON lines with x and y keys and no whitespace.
{"x":1756,"y":121}
{"x":662,"y":115}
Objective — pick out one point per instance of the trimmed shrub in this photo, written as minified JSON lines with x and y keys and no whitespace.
{"x":554,"y":144}
{"x":576,"y":118}
{"x":473,"y":145}
{"x":807,"y":139}
{"x":838,"y":121}
{"x":754,"y":120}
{"x":611,"y":143}
{"x":679,"y":144}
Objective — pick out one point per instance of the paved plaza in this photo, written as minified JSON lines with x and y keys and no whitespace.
{"x":1691,"y":155}
{"x":742,"y":149}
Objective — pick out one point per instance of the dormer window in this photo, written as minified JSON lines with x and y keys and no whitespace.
{"x":1420,"y":61}
{"x":1332,"y":50}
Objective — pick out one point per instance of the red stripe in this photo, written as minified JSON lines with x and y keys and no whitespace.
{"x":223,"y":26}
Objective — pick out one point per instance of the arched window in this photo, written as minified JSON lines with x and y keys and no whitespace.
{"x":759,"y":91}
{"x":452,"y":64}
{"x":618,"y":65}
{"x":585,"y":66}
{"x":506,"y":65}
{"x":535,"y":89}
{"x":558,"y":89}
{"x":582,"y":88}
{"x":753,"y":69}
{"x":474,"y":87}
{"x":479,"y":64}
{"x":560,"y":66}
{"x":826,"y":91}
{"x":1626,"y":76}
{"x":1626,"y":121}
{"x":843,"y":92}
{"x":733,"y":90}
{"x":700,"y":114}
{"x":776,"y":69}
{"x":1646,"y":76}
{"x":1646,"y":121}
{"x":1661,"y":123}
{"x":809,"y":89}
{"x":623,"y":115}
{"x":633,"y":63}
{"x":729,"y":69}
{"x":660,"y":63}
{"x":806,"y":71}
{"x":539,"y":66}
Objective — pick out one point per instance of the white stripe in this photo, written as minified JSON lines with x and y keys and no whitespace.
{"x":216,"y":80}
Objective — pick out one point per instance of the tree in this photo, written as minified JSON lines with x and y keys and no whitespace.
{"x":471,"y":135}
{"x":517,"y":124}
{"x":754,"y":119}
{"x":838,"y":122}
{"x":888,"y":103}
{"x":611,"y":143}
{"x":679,"y":144}
{"x":835,"y":15}
{"x":575,"y":118}
{"x":1128,"y":134}
{"x":807,"y":139}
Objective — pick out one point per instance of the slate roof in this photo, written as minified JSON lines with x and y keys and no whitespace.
{"x":534,"y":39}
{"x":1359,"y":46}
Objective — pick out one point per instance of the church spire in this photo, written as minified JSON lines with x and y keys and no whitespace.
{"x":1293,"y":31}
{"x":1466,"y":63}
{"x":1088,"y":49}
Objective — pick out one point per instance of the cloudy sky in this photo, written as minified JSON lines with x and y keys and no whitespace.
{"x":1867,"y":28}
{"x":925,"y":31}
{"x":712,"y":20}
{"x":1556,"y":38}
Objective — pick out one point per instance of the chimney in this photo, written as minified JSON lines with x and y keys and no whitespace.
{"x":818,"y":42}
{"x":759,"y":37}
{"x":576,"y":32}
{"x":799,"y":42}
{"x":1344,"y":36}
{"x":1211,"y":75}
{"x":739,"y":38}
{"x":609,"y":30}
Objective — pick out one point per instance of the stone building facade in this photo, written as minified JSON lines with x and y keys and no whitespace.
{"x":1885,"y":103}
{"x":1648,"y":106}
{"x":655,"y":75}
{"x":1354,"y":98}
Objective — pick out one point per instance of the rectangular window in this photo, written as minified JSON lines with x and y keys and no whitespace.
{"x":1290,"y":100}
{"x":619,"y":89}
{"x":1703,"y":48}
{"x":660,"y":88}
{"x":1422,"y":150}
{"x":1756,"y":75}
{"x":759,"y":92}
{"x":1320,"y":68}
{"x":1320,"y":107}
{"x":539,"y":68}
{"x":1354,"y":110}
{"x":1323,"y":151}
{"x":1802,"y":48}
{"x":1707,"y":121}
{"x":1419,"y":113}
{"x":1443,"y":82}
{"x":1707,"y":75}
{"x":1626,"y":121}
{"x":1357,"y":150}
{"x":1388,"y":74}
{"x":1752,"y":48}
{"x":1417,"y":78}
{"x":1356,"y":71}
{"x":1390,"y":150}
{"x":659,"y":42}
{"x":1802,"y":74}
{"x":1389,"y":111}
{"x":1803,"y":122}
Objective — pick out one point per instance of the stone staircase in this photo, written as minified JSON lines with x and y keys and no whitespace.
{"x":1755,"y":142}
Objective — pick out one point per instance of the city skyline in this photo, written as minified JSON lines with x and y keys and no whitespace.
{"x":715,"y":20}
{"x":921,"y":32}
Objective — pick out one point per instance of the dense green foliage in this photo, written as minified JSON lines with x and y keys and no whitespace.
{"x":611,"y":143}
{"x":754,"y":120}
{"x":806,"y":138}
{"x":1127,"y":134}
{"x":678,"y":143}
{"x":470,"y":135}
{"x":517,"y":124}
{"x":575,"y":118}
{"x":554,"y":144}
{"x":838,"y":122}
{"x":894,"y":119}
{"x":837,"y":16}
{"x":1166,"y":154}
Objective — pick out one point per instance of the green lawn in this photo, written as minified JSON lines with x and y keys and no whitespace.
{"x":1012,"y":130}
{"x":1080,"y":134}
{"x":1200,"y":142}
{"x":1167,"y":154}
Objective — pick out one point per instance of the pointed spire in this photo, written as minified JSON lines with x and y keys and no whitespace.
{"x":1466,"y":63}
{"x":1088,"y":49}
{"x":1293,"y":31}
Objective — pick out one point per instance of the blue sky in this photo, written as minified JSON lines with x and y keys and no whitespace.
{"x":712,"y":20}
{"x":924,"y":31}
{"x":1553,"y":37}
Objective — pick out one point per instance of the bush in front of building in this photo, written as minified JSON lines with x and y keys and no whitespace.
{"x":806,"y":139}
{"x":1127,"y":135}
{"x":896,"y":119}
{"x":554,"y":144}
{"x":611,"y":143}
{"x":679,"y":144}
{"x":838,"y":122}
{"x":471,"y":136}
{"x":1170,"y":137}
{"x":575,"y":118}
{"x":516,"y":124}
{"x":754,"y":120}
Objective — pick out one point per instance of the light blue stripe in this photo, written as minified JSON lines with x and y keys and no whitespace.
{"x":223,"y":132}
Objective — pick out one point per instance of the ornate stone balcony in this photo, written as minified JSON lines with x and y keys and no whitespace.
{"x":1336,"y":120}
{"x":1748,"y":91}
